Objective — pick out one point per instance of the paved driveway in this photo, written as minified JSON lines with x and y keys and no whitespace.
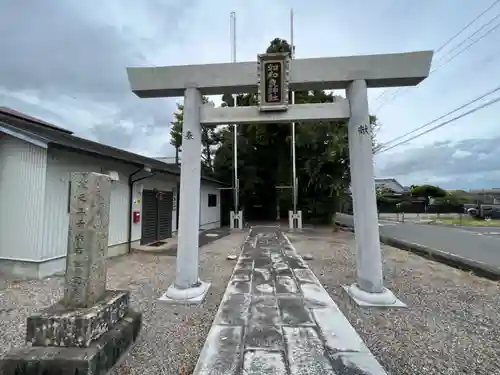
{"x":477,"y":244}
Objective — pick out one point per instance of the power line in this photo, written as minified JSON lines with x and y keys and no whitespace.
{"x":454,"y":36}
{"x":446,"y":43}
{"x":392,"y":97}
{"x":487,"y":104}
{"x":474,"y":33}
{"x":453,"y":57}
{"x":466,"y":26}
{"x":441,"y":117}
{"x":468,"y":46}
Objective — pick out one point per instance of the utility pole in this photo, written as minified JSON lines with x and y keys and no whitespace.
{"x":294,"y":168}
{"x":235,"y":126}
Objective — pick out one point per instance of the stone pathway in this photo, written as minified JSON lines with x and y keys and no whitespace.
{"x":276,"y":318}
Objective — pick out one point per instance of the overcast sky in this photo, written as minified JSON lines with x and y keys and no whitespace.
{"x":64,"y":61}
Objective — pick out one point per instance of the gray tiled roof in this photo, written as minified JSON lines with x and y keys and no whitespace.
{"x":62,"y":138}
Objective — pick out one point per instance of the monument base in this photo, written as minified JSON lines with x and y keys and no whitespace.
{"x":365,"y":299}
{"x":193,"y":295}
{"x":100,"y":357}
{"x":58,"y":325}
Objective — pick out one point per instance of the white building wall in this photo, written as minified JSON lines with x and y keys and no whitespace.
{"x":60,"y":164}
{"x":162,"y":182}
{"x":34,"y":197}
{"x":22,"y":187}
{"x":136,"y":206}
{"x":119,"y":212}
{"x":209,"y":216}
{"x":56,"y":216}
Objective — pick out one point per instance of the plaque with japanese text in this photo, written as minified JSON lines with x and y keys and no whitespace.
{"x":272,"y":81}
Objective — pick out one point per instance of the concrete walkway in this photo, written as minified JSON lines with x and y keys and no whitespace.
{"x":169,"y":247}
{"x":276,"y":318}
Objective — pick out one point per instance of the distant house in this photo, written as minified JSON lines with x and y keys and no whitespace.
{"x":488,"y":196}
{"x":390,"y":184}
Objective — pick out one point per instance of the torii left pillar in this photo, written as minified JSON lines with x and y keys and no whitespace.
{"x":187,"y":287}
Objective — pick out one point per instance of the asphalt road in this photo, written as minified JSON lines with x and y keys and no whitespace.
{"x":478,"y":244}
{"x":485,"y":231}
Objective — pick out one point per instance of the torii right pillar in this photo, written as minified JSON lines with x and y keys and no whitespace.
{"x":369,"y":288}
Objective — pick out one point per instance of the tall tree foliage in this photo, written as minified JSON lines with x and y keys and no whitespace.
{"x":427,"y":192}
{"x":176,"y":130}
{"x":209,"y":138}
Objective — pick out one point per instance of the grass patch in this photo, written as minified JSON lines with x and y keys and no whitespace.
{"x":469,"y":222}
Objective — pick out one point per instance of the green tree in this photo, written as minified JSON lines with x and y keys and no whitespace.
{"x":176,"y":130}
{"x":426,"y":192}
{"x":209,"y":138}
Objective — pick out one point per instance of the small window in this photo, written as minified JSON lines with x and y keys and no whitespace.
{"x":212,"y":200}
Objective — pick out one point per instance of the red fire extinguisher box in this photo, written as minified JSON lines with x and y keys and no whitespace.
{"x":136,"y":217}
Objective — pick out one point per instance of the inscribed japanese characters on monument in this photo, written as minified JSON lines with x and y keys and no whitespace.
{"x":87,"y":239}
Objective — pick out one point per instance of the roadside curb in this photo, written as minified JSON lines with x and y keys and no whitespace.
{"x":464,"y":264}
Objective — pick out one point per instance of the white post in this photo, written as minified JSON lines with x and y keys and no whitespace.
{"x":236,"y":220}
{"x":298,"y":216}
{"x":232,"y":216}
{"x":240,"y":219}
{"x":369,"y":287}
{"x":295,"y":219}
{"x":187,"y":286}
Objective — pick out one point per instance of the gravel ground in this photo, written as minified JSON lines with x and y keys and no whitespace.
{"x":171,"y":337}
{"x":452,"y":325}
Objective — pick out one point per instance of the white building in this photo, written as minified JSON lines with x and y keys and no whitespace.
{"x":36,"y":159}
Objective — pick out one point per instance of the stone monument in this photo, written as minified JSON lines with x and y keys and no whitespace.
{"x":90,"y":328}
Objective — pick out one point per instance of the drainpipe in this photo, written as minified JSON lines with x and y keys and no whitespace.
{"x":131,"y":183}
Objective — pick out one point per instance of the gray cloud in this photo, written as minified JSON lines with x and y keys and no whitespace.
{"x":70,"y":58}
{"x":461,"y":163}
{"x":59,"y":52}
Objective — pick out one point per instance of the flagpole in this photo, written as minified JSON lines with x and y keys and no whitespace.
{"x":294,"y":169}
{"x":235,"y":129}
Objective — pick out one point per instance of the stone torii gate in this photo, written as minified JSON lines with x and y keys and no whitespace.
{"x":272,"y":76}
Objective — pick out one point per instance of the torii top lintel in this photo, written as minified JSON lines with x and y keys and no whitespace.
{"x":384,"y":70}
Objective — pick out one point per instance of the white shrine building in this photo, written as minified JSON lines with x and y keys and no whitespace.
{"x":36,"y":159}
